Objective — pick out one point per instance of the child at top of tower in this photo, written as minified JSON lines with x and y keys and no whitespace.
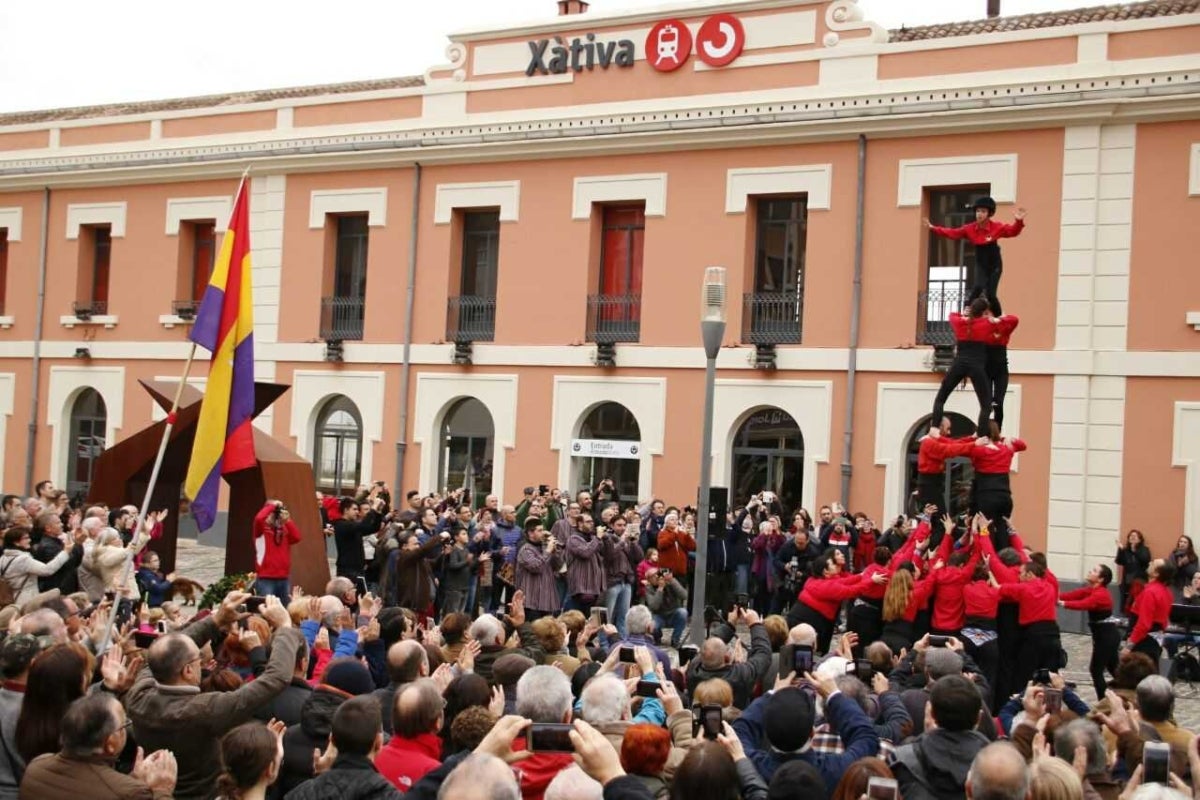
{"x":985,"y":233}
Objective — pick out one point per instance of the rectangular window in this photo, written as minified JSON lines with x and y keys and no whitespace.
{"x":614,"y":314}
{"x":480,"y":253}
{"x":204,"y":255}
{"x":949,"y":262}
{"x":342,"y":314}
{"x":775,"y":307}
{"x":3,"y":269}
{"x":101,"y":255}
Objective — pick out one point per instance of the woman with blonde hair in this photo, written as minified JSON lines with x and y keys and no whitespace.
{"x":1054,"y":779}
{"x":906,"y":595}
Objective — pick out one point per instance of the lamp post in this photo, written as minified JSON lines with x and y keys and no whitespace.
{"x":712,"y":331}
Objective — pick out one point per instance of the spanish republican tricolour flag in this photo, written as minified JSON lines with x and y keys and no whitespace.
{"x":225,"y":327}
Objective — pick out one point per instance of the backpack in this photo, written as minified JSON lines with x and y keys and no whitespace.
{"x":1184,"y":667}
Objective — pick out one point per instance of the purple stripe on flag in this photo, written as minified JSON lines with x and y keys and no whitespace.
{"x":207,"y":326}
{"x":204,"y":504}
{"x":241,"y":396}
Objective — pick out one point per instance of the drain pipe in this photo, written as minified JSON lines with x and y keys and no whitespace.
{"x":406,"y":360}
{"x":35,"y":395}
{"x":855,"y":314}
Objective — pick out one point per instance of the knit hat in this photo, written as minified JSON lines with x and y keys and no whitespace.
{"x":788,"y":720}
{"x":349,"y":676}
{"x":508,"y":669}
{"x":797,"y":778}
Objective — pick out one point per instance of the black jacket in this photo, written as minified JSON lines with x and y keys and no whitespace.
{"x":348,"y":535}
{"x":935,"y":765}
{"x":287,"y":706}
{"x":350,"y":778}
{"x":66,"y":580}
{"x":312,"y":733}
{"x":741,"y":677}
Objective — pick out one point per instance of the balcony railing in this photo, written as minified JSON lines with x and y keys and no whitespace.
{"x":471,"y":318}
{"x":614,"y":318}
{"x":933,"y":312}
{"x":772,"y":318}
{"x":342,"y":318}
{"x":86,"y":309}
{"x":185,"y":309}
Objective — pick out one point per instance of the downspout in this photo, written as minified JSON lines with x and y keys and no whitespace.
{"x":406,"y":360}
{"x":35,"y":395}
{"x":855,"y":314}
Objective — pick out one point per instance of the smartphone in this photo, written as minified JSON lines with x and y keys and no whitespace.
{"x":741,"y":601}
{"x":110,"y":595}
{"x":647,"y":689}
{"x":882,"y":789}
{"x":252,"y":605}
{"x":802,"y":659}
{"x":1052,"y":700}
{"x":1156,"y":762}
{"x":938,"y":641}
{"x":543,"y":488}
{"x":1042,"y":676}
{"x":162,"y":626}
{"x":600,"y":615}
{"x":710,"y":721}
{"x":549,"y":737}
{"x":360,"y":583}
{"x":687,"y":652}
{"x":627,"y":656}
{"x":144,"y":639}
{"x":863,"y":670}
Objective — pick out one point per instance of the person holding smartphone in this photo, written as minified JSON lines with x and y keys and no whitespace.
{"x":274,"y":535}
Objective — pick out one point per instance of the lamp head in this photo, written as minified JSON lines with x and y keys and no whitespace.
{"x":712,"y":299}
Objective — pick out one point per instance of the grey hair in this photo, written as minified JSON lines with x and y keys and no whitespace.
{"x":573,"y":784}
{"x":990,"y":779}
{"x":852,"y":687}
{"x":1082,"y":733}
{"x":1155,"y":698}
{"x":803,"y":634}
{"x":1157,"y":791}
{"x":544,"y":695}
{"x":108,"y":535}
{"x":339,"y":586}
{"x":605,"y":699}
{"x":941,"y":661}
{"x":486,"y":630}
{"x":481,"y":771}
{"x":638,"y":620}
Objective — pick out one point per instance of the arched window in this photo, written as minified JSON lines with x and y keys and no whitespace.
{"x":89,"y":421}
{"x":468,"y":436}
{"x":598,"y":460}
{"x":956,"y":492}
{"x":768,"y":454}
{"x":338,"y":449}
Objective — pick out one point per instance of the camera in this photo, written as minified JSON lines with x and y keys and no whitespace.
{"x":1052,"y":700}
{"x":549,"y":737}
{"x":627,"y":656}
{"x":1042,"y":676}
{"x":708,"y":719}
{"x":938,"y":641}
{"x":1156,"y":762}
{"x":862,"y":669}
{"x":647,"y":689}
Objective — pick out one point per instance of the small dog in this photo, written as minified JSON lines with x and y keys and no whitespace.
{"x":188,"y":589}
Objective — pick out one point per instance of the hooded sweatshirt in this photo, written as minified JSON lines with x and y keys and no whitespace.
{"x":299,"y":741}
{"x":935,"y":766}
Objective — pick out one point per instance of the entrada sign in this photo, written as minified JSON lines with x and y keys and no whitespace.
{"x":668,"y":45}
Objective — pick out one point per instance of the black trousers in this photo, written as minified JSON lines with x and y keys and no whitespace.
{"x":997,"y":370}
{"x":931,"y":488}
{"x":985,"y":281}
{"x":898,"y":635}
{"x":865,"y":619}
{"x":824,"y":627}
{"x":995,"y":504}
{"x":1106,"y":651}
{"x":1041,"y":648}
{"x":987,"y":656}
{"x":1150,"y":647}
{"x":1009,"y":642}
{"x":977,"y":372}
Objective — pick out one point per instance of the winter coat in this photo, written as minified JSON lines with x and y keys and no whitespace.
{"x":585,"y":565}
{"x":740,"y":677}
{"x":935,"y":765}
{"x":408,"y":579}
{"x":312,"y":733}
{"x":21,"y":571}
{"x":351,"y":778}
{"x":403,"y":762}
{"x":55,"y":775}
{"x":154,"y":585}
{"x":288,"y":704}
{"x":107,"y":562}
{"x":66,"y":580}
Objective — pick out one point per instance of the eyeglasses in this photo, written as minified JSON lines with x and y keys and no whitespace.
{"x":127,"y":725}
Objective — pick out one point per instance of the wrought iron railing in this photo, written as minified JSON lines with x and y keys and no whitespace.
{"x":471,"y":318}
{"x":342,"y":318}
{"x":185,"y":309}
{"x":772,"y":317}
{"x":614,"y":318}
{"x":933,"y":312}
{"x":86,"y":309}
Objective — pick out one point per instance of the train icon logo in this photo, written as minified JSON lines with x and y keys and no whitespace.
{"x":668,"y":45}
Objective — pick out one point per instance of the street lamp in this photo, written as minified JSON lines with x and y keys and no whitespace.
{"x":712,"y":331}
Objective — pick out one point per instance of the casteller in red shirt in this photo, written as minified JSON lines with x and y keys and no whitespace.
{"x":971,"y":329}
{"x":986,"y":232}
{"x":934,"y":450}
{"x":1153,"y":609}
{"x":276,"y":560}
{"x":1002,"y":329}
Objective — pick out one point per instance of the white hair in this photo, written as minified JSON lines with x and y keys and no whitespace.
{"x":605,"y":699}
{"x":480,"y":776}
{"x":1157,"y":791}
{"x":832,"y":667}
{"x":573,"y":784}
{"x":803,"y":634}
{"x":638,"y":620}
{"x":92,"y":525}
{"x":487,"y":630}
{"x":109,"y":536}
{"x":544,"y":695}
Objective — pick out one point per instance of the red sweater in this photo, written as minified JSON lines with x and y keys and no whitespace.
{"x":874,"y":591}
{"x":981,"y":599}
{"x":1153,"y":608}
{"x":971,"y":329}
{"x":1088,"y":598}
{"x":826,"y":595}
{"x":949,"y":605}
{"x":405,"y":761}
{"x":864,"y":551}
{"x":1002,"y":329}
{"x":995,"y":458}
{"x":934,"y":450}
{"x":922,"y":589}
{"x":978,"y":234}
{"x":1037,"y":600}
{"x":276,"y":560}
{"x":673,"y":547}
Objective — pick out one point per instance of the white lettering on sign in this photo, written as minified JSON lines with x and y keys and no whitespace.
{"x":605,"y":448}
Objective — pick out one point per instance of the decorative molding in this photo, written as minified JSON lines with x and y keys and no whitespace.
{"x":846,"y":15}
{"x":650,"y":188}
{"x":456,"y":55}
{"x":80,"y":214}
{"x":815,"y":180}
{"x":312,"y":389}
{"x":506,"y":195}
{"x":1185,"y":452}
{"x":107,"y":320}
{"x":1194,"y":171}
{"x":1000,"y":171}
{"x":348,"y":201}
{"x":1193,"y":319}
{"x":437,"y":392}
{"x":8,"y":391}
{"x":7,"y":322}
{"x":10,"y":219}
{"x":66,"y":383}
{"x":180,"y":209}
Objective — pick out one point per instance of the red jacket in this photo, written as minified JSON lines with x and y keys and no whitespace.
{"x":1037,"y":600}
{"x":276,"y":560}
{"x":864,"y":551}
{"x":982,"y":600}
{"x":1088,"y":598}
{"x":949,"y":606}
{"x":673,"y":547}
{"x":934,"y":450}
{"x":874,"y":591}
{"x":405,"y":761}
{"x":538,"y":770}
{"x":971,"y":329}
{"x":977,"y":234}
{"x":1153,"y":608}
{"x":826,"y":595}
{"x":1002,"y":329}
{"x":995,"y":458}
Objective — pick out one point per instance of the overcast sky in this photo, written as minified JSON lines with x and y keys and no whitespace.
{"x":59,"y":53}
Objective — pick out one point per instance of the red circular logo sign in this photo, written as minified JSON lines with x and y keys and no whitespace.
{"x":668,"y":45}
{"x":720,"y":40}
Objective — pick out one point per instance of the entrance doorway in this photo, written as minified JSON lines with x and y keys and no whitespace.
{"x":468,"y":436}
{"x":608,"y":423}
{"x":956,"y":486}
{"x":768,"y":454}
{"x":338,"y":456}
{"x":89,"y":421}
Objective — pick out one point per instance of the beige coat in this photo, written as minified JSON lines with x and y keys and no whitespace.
{"x":21,"y":571}
{"x":105,"y":562}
